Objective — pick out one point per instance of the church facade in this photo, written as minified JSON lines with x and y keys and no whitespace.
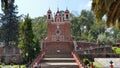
{"x":58,"y":41}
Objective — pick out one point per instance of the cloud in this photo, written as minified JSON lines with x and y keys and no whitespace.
{"x":89,"y":3}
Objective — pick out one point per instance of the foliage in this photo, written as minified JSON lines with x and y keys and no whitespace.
{"x":86,"y":61}
{"x":75,"y":28}
{"x":39,"y":30}
{"x":117,"y":49}
{"x":108,"y":7}
{"x":97,"y":65}
{"x":39,"y":27}
{"x":90,"y":38}
{"x":81,"y":25}
{"x":13,"y":66}
{"x":27,"y":43}
{"x":1,"y":31}
{"x":103,"y":39}
{"x":85,"y":28}
{"x":5,"y":4}
{"x":96,"y":29}
{"x":118,"y":36}
{"x":10,"y":23}
{"x":37,"y":47}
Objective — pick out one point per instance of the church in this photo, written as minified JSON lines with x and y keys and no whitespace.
{"x":58,"y":40}
{"x":60,"y":50}
{"x":58,"y":47}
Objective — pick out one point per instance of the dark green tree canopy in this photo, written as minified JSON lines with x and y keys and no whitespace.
{"x":10,"y":24}
{"x":5,"y":4}
{"x":27,"y":43}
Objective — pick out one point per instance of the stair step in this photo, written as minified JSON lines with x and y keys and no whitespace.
{"x":59,"y":65}
{"x":59,"y":56}
{"x":58,"y":60}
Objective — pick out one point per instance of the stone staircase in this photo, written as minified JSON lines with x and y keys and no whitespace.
{"x":58,"y":63}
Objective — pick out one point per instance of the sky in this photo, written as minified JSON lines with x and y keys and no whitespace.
{"x":37,"y":8}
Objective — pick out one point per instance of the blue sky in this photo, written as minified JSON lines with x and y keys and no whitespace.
{"x":37,"y":8}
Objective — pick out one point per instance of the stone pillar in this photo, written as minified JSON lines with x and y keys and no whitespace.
{"x":75,"y":45}
{"x":41,"y":46}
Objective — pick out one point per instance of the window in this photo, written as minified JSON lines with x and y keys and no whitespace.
{"x":66,"y":16}
{"x":48,"y":16}
{"x":57,"y":32}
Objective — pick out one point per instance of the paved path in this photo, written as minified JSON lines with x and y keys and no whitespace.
{"x":105,"y":62}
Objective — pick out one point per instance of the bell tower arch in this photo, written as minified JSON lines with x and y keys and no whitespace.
{"x":49,"y":15}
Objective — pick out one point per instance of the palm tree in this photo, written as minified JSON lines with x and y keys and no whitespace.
{"x":110,"y":8}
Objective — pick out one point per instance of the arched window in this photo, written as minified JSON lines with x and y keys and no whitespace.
{"x":66,"y":16}
{"x":48,"y":16}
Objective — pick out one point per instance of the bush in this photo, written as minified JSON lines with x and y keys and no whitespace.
{"x":86,"y":61}
{"x":11,"y":64}
{"x":0,"y":63}
{"x":3,"y":64}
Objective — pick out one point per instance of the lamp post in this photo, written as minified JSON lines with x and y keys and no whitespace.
{"x":35,"y":52}
{"x":34,"y":49}
{"x":27,"y":59}
{"x":111,"y":64}
{"x":81,"y":29}
{"x":27,"y":56}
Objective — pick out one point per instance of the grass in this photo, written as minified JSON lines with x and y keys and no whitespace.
{"x":117,"y":49}
{"x":13,"y":66}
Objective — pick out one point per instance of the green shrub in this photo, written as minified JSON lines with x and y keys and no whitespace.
{"x":86,"y":61}
{"x":3,"y":64}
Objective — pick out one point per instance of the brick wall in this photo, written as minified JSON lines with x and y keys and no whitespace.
{"x":56,"y":48}
{"x":11,"y":54}
{"x":64,"y":28}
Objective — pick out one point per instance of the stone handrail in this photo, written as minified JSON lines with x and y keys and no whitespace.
{"x":77,"y":59}
{"x":37,"y":60}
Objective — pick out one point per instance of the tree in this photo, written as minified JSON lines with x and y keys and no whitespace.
{"x":39,"y":30}
{"x":1,"y":37}
{"x":81,"y":25}
{"x":39,"y":27}
{"x":104,"y":39}
{"x":5,"y":4}
{"x":96,"y":29}
{"x":27,"y":43}
{"x":87,"y":19}
{"x":118,"y":37}
{"x":10,"y":24}
{"x":110,"y":8}
{"x":75,"y":28}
